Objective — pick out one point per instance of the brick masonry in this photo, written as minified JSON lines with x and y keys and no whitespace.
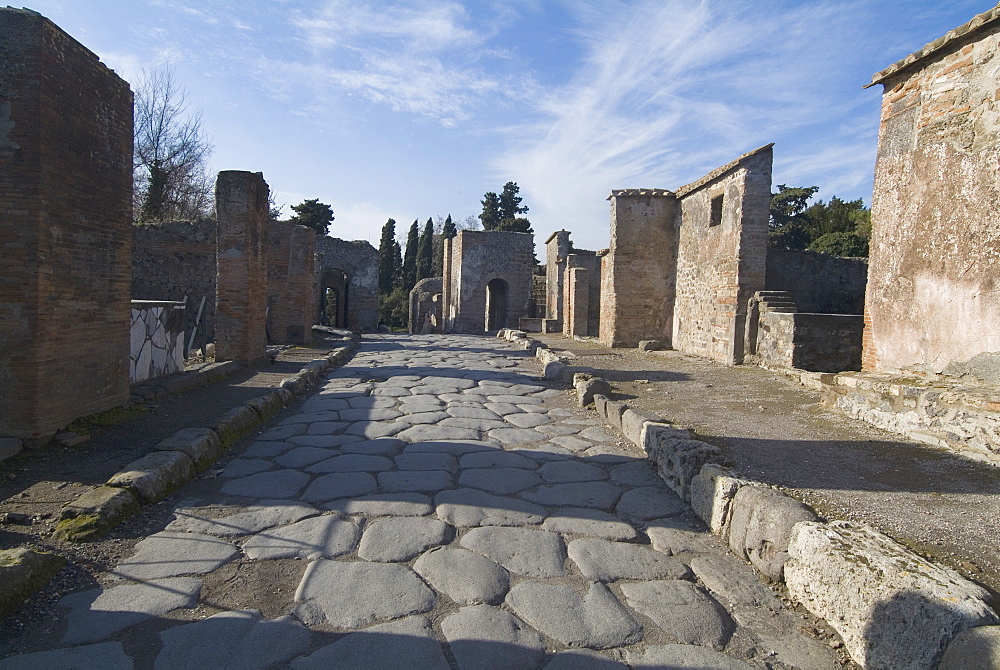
{"x":354,"y":263}
{"x":291,"y":298}
{"x":66,"y":203}
{"x":557,"y":247}
{"x":934,"y":282}
{"x":819,"y":283}
{"x":242,"y":213}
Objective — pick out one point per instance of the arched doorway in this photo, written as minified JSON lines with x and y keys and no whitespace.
{"x":496,"y":305}
{"x":333,"y":299}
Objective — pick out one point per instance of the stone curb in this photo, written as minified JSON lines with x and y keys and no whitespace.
{"x":22,"y":572}
{"x":178,"y":458}
{"x":873,"y":591}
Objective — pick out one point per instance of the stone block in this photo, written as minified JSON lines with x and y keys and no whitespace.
{"x":267,"y":405}
{"x":220,"y":369}
{"x":650,"y":345}
{"x":236,"y":423}
{"x":9,"y":446}
{"x":589,"y":387}
{"x":155,"y":475}
{"x":615,"y":409}
{"x":95,"y":513}
{"x":201,"y":445}
{"x":712,"y":491}
{"x":893,"y":608}
{"x":22,"y":572}
{"x":973,"y":649}
{"x":554,"y":370}
{"x":632,"y":423}
{"x":294,"y":385}
{"x":761,"y":524}
{"x":678,"y":458}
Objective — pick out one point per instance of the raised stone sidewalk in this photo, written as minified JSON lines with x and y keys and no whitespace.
{"x":434,"y":505}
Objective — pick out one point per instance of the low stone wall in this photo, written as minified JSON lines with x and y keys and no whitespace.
{"x":944,"y":412}
{"x":818,"y":282}
{"x":157,"y":339}
{"x":813,"y":342}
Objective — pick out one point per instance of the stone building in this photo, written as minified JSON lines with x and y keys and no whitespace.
{"x":291,"y":299}
{"x":487,"y":280}
{"x":682,"y":266}
{"x":347,"y":284}
{"x":66,"y":193}
{"x":933,"y":293}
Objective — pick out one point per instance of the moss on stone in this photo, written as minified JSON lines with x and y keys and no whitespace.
{"x":22,"y":572}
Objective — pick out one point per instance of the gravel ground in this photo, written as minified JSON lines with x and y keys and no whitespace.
{"x":943,"y":506}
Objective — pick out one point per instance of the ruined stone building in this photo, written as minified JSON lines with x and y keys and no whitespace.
{"x":487,"y":280}
{"x":347,"y":284}
{"x":934,"y":286}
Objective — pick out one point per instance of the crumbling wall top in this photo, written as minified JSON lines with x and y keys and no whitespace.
{"x":719,"y":172}
{"x":655,"y":192}
{"x":965,"y":30}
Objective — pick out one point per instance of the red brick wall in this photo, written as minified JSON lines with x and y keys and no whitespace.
{"x":66,"y":198}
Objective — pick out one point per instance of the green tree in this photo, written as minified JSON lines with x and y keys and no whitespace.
{"x":410,"y":257}
{"x":844,"y":243}
{"x":388,"y":254}
{"x":313,"y":214}
{"x":788,"y":226}
{"x":425,"y":251}
{"x":502,"y":213}
{"x":448,"y":231}
{"x":491,"y":211}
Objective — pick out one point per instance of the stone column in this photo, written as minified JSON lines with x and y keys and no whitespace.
{"x":241,"y":288}
{"x":578,"y":305}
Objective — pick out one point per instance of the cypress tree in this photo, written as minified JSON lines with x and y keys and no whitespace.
{"x":387,"y":258}
{"x":410,"y":258}
{"x":425,"y":251}
{"x":448,"y":231}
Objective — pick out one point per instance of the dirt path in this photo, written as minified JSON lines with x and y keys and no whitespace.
{"x":941,"y":505}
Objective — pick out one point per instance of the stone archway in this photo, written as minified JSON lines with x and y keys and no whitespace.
{"x":496,"y":304}
{"x":333,"y":299}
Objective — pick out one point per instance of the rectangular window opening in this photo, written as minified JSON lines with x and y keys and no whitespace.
{"x":716,"y":214}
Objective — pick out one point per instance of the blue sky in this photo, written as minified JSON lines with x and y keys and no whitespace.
{"x":415,"y":109}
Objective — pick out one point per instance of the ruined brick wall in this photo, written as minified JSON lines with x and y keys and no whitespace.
{"x":819,"y":283}
{"x":241,"y":289}
{"x":175,"y":259}
{"x":586,"y":297}
{"x":577,"y":303}
{"x":721,"y":255}
{"x":291,"y":296}
{"x":557,"y":247}
{"x":934,"y":281}
{"x":479,"y":257}
{"x":359,"y":261}
{"x":66,"y":198}
{"x":423,"y":305}
{"x":637,"y":281}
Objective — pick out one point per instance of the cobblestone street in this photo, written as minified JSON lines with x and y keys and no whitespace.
{"x":432,"y":505}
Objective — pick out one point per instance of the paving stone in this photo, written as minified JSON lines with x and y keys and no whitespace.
{"x":386,"y":446}
{"x":544,"y":452}
{"x":420,"y":481}
{"x":610,"y":454}
{"x":682,"y":656}
{"x":559,"y":472}
{"x":514,"y":400}
{"x":339,"y":485}
{"x":516,"y":435}
{"x":555,"y":430}
{"x":470,"y":507}
{"x":274,"y":484}
{"x":374,"y":414}
{"x":326,"y":427}
{"x":486,"y":638}
{"x":533,"y":409}
{"x":407,"y":643}
{"x":98,"y":614}
{"x":499,"y":480}
{"x":376,"y":429}
{"x":572,"y":442}
{"x":174,"y":554}
{"x":399,"y":539}
{"x":352,"y":594}
{"x":421,"y":404}
{"x":283,"y":432}
{"x":596,"y":620}
{"x":303,"y":456}
{"x":454,"y":447}
{"x":604,"y":561}
{"x":324,"y":536}
{"x":583,"y":659}
{"x":681,"y":540}
{"x":106,"y":656}
{"x":238,"y":639}
{"x":650,"y":502}
{"x":600,"y":495}
{"x":324,"y":441}
{"x":528,"y":420}
{"x":266,"y":449}
{"x":535,"y":553}
{"x":391,"y":392}
{"x":352,"y":463}
{"x":637,"y":473}
{"x":481,"y":425}
{"x":368,"y":402}
{"x":433,"y":433}
{"x":255,"y":518}
{"x":503,"y":408}
{"x":384,"y":504}
{"x":598,"y":434}
{"x":242,"y":467}
{"x":592,"y":522}
{"x":311,"y":417}
{"x":464,"y":576}
{"x":460,"y":412}
{"x":324,"y":402}
{"x":419,"y":461}
{"x":496,"y":458}
{"x":682,"y":610}
{"x":418,"y":418}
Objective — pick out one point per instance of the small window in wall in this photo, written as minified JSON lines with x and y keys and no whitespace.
{"x":716,"y":213}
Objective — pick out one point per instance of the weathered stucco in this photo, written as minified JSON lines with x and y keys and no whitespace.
{"x":934,"y":281}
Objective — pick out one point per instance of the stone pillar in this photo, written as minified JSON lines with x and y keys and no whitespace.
{"x":66,"y":227}
{"x":557,"y":247}
{"x":241,"y":288}
{"x":446,"y":283}
{"x":577,"y":306}
{"x":302,"y":305}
